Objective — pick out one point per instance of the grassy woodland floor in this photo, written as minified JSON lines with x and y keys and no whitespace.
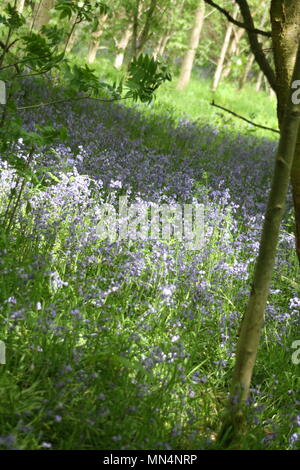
{"x":130,"y":345}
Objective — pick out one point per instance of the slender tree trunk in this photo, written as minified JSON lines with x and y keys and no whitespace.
{"x":156,"y":50}
{"x":251,"y":59}
{"x":20,"y":6}
{"x":94,"y":42}
{"x":219,"y":69}
{"x":135,"y":26}
{"x":259,"y":80}
{"x":139,"y":39}
{"x":164,"y":43}
{"x":285,"y":17}
{"x":266,"y":84}
{"x":253,"y":319}
{"x":255,"y":44}
{"x":41,"y":14}
{"x":176,"y":11}
{"x":145,"y":33}
{"x":161,"y":45}
{"x":122,"y":45}
{"x":247,"y":70}
{"x":72,"y":40}
{"x":234,"y":49}
{"x":188,"y":61}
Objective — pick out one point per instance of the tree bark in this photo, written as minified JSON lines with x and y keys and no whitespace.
{"x":161,"y":45}
{"x":72,"y":40}
{"x":259,"y":80}
{"x":247,"y":70}
{"x":251,"y":59}
{"x":20,"y":6}
{"x":121,"y":46}
{"x":41,"y":14}
{"x":94,"y":42}
{"x":139,"y":38}
{"x":188,"y":61}
{"x":253,"y":319}
{"x":144,"y":35}
{"x":135,"y":25}
{"x":234,"y":49}
{"x":285,"y":18}
{"x":219,"y":69}
{"x":255,"y":45}
{"x":174,"y":11}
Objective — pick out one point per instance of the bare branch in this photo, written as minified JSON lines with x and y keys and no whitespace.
{"x":49,"y":103}
{"x":26,"y":60}
{"x":256,"y":46}
{"x":236,"y":22}
{"x":244,"y":119}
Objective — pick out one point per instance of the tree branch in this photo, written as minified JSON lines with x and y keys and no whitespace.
{"x":39,"y":105}
{"x":236,"y":22}
{"x":255,"y":45}
{"x":144,"y":35}
{"x":244,"y":119}
{"x":25,"y":60}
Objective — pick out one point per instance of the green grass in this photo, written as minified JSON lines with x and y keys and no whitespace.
{"x":194,"y":103}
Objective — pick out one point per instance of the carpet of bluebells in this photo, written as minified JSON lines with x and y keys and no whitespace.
{"x":130,"y":344}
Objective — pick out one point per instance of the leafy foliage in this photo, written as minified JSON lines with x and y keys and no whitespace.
{"x":11,"y":18}
{"x":40,"y":52}
{"x":145,"y":75}
{"x":84,"y":10}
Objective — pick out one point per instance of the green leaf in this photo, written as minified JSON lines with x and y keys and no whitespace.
{"x":28,"y":207}
{"x":53,"y":177}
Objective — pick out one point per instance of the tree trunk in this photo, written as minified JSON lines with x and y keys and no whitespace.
{"x":251,"y":60}
{"x":122,"y":45}
{"x":20,"y":6}
{"x":161,"y":45}
{"x":253,"y":319}
{"x":233,"y":50}
{"x":139,"y":39}
{"x":256,"y":46}
{"x":135,"y":25}
{"x":219,"y":69}
{"x":237,"y":36}
{"x":145,"y":33}
{"x":259,"y":80}
{"x":41,"y":14}
{"x":177,"y":8}
{"x":266,"y":84}
{"x":188,"y":61}
{"x":94,"y":42}
{"x":285,"y":17}
{"x":164,"y":43}
{"x":247,"y":70}
{"x":72,"y":40}
{"x":156,"y":50}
